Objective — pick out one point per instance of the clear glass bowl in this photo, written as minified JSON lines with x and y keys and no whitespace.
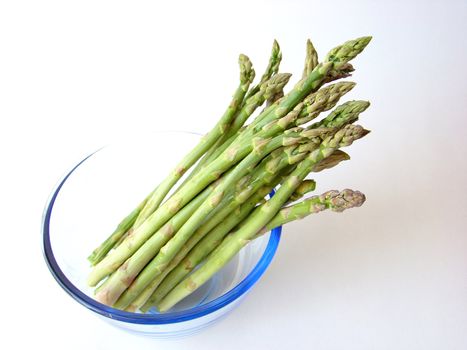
{"x":84,"y":209}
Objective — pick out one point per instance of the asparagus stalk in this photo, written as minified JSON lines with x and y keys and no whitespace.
{"x":265,"y":173}
{"x":116,"y":287}
{"x":266,"y":90}
{"x":204,"y":247}
{"x":322,"y":100}
{"x":335,"y":62}
{"x":113,"y":240}
{"x":311,"y":59}
{"x":246,"y":77}
{"x":271,"y":69}
{"x":347,"y":112}
{"x":331,"y":161}
{"x":187,"y":248}
{"x":255,"y":94}
{"x":260,"y":217}
{"x":143,"y":298}
{"x":336,"y":59}
{"x":333,"y":200}
{"x":305,"y":187}
{"x":232,"y":155}
{"x":152,"y":245}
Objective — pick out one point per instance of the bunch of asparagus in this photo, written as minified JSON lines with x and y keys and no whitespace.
{"x":150,"y":259}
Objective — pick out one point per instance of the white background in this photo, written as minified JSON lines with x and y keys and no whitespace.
{"x":390,"y":275}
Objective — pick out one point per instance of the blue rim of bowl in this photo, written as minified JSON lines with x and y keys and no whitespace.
{"x":130,"y":317}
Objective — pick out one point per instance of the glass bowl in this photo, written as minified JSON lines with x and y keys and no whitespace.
{"x":84,"y":209}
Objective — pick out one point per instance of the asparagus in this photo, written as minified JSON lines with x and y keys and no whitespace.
{"x":322,"y":100}
{"x":333,"y":200}
{"x":246,"y":76}
{"x":302,"y":189}
{"x":143,"y":298}
{"x":229,"y":175}
{"x":116,"y":287}
{"x":150,"y":247}
{"x":311,"y":60}
{"x":260,"y":216}
{"x":254,"y":98}
{"x":113,"y":240}
{"x":347,"y":112}
{"x":271,"y":69}
{"x":232,"y":155}
{"x":265,"y":173}
{"x":336,"y":59}
{"x":266,"y":91}
{"x":203,"y":248}
{"x":331,"y":161}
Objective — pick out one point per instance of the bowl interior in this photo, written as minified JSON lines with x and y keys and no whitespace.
{"x":107,"y":186}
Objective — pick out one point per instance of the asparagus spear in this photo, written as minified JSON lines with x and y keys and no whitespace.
{"x":187,"y":248}
{"x":336,"y":59}
{"x":246,"y":77}
{"x":331,"y":161}
{"x":311,"y":59}
{"x":334,"y":200}
{"x":229,"y":157}
{"x":117,"y":286}
{"x":153,"y":244}
{"x":266,"y":90}
{"x":322,"y":100}
{"x":197,"y":236}
{"x":254,"y":98}
{"x":271,"y":69}
{"x":347,"y":112}
{"x":122,"y":229}
{"x":204,"y":247}
{"x":265,"y":173}
{"x":260,"y":217}
{"x":302,"y":189}
{"x":335,"y":63}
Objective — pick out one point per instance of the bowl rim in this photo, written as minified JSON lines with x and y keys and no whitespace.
{"x":137,"y":318}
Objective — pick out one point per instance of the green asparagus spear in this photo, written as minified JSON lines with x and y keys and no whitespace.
{"x":267,"y":90}
{"x":322,"y":100}
{"x":311,"y":59}
{"x":336,"y":59}
{"x":260,"y":217}
{"x":347,"y":112}
{"x":152,"y":245}
{"x":204,"y":247}
{"x":246,"y":77}
{"x":123,"y":227}
{"x":271,"y":69}
{"x":264,"y":173}
{"x":334,"y":200}
{"x":117,"y":286}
